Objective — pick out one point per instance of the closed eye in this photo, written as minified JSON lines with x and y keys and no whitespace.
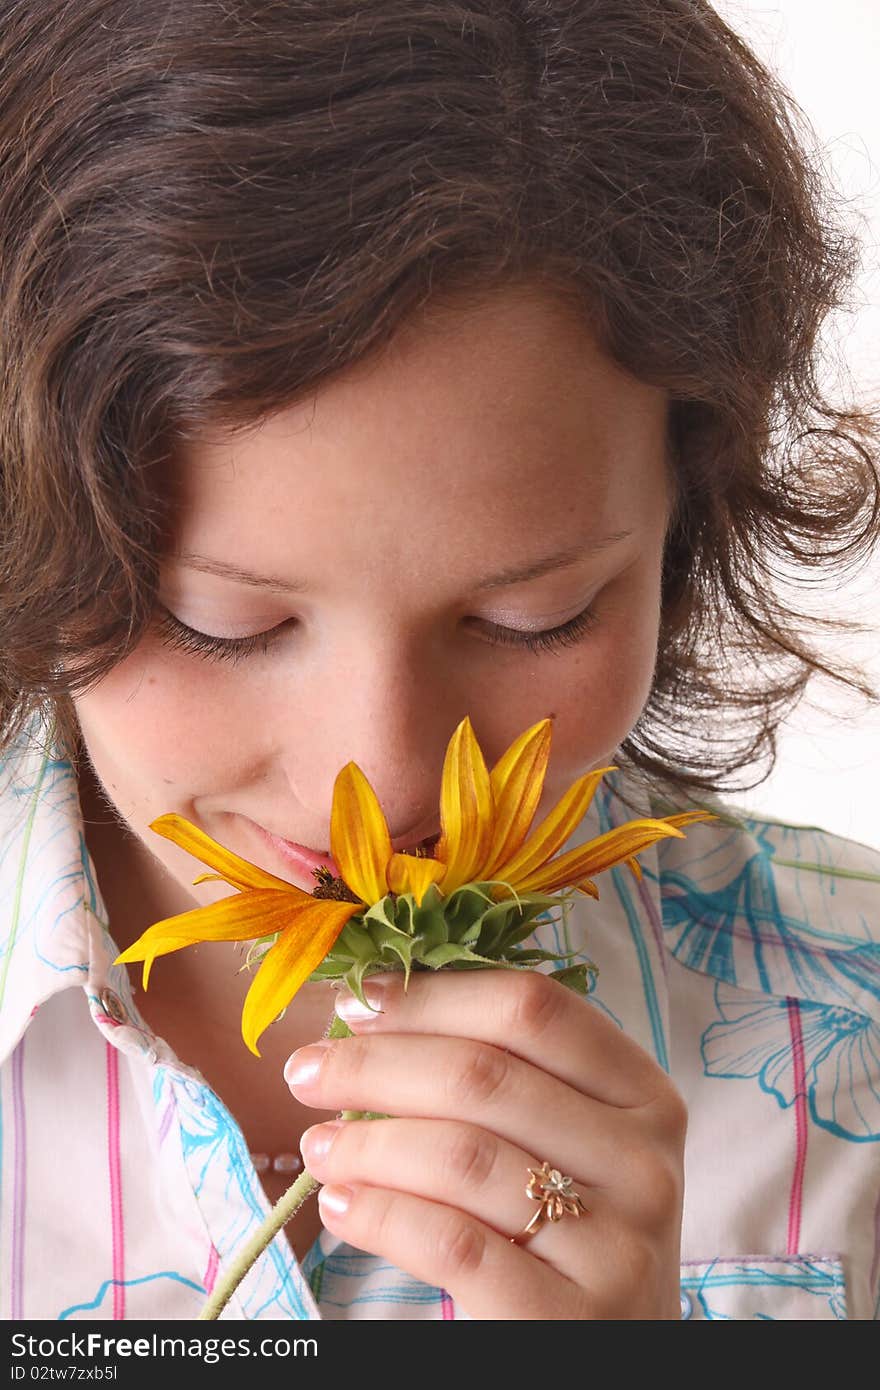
{"x":178,"y":635}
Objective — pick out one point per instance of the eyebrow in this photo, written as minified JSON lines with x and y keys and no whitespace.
{"x":517,"y":574}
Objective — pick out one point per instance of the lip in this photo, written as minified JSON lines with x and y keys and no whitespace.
{"x":298,"y":857}
{"x":304,"y":860}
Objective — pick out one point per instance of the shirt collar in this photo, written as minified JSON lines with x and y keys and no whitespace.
{"x":57,"y":933}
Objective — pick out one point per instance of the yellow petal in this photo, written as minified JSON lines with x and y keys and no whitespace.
{"x":690,"y":817}
{"x":239,"y":872}
{"x":517,"y":780}
{"x":466,"y":810}
{"x":588,"y":887}
{"x":288,"y":964}
{"x":359,"y":839}
{"x":408,"y":873}
{"x":554,"y":829}
{"x":240,"y":917}
{"x":599,"y":854}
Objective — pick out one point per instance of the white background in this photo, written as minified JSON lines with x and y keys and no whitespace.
{"x":828,"y":58}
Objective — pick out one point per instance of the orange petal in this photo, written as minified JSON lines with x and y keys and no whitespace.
{"x":466,"y":810}
{"x":588,"y":887}
{"x":499,"y":893}
{"x":240,"y":917}
{"x":359,"y":839}
{"x":517,"y":780}
{"x":690,"y":817}
{"x":288,"y":964}
{"x":599,"y":854}
{"x":408,"y":873}
{"x":233,"y":869}
{"x":554,"y":829}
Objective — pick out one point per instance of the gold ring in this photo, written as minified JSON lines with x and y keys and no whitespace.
{"x":556,"y":1198}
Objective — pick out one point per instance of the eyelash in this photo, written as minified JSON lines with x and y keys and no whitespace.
{"x":176,"y":634}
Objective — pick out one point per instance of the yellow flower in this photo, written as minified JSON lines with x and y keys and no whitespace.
{"x":265,"y":904}
{"x":485,"y":819}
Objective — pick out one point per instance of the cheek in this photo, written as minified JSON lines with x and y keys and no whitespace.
{"x":155,"y":726}
{"x":598,"y":697}
{"x":629,"y":671}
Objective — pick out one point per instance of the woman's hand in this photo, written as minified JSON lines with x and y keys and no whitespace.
{"x":489,"y":1073}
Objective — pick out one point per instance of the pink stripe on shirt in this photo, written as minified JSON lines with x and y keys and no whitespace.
{"x":115,"y":1173}
{"x":19,"y":1181}
{"x":795,"y":1202}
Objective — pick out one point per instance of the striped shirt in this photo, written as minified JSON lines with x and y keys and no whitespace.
{"x":746,"y":962}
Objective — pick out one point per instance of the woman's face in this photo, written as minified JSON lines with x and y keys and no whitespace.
{"x":378,"y":524}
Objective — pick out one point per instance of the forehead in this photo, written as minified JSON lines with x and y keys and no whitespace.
{"x":482,"y":416}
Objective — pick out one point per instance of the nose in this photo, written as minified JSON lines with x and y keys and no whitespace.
{"x":395,"y":725}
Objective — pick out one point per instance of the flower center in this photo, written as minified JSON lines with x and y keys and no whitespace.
{"x":330,"y":887}
{"x":425,"y":849}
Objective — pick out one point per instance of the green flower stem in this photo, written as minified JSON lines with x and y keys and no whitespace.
{"x":828,"y":869}
{"x":281,"y":1213}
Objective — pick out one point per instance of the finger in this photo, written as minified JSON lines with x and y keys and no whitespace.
{"x":459,"y":1079}
{"x":446,"y":1249}
{"x":461,"y":1166}
{"x":526,"y":1012}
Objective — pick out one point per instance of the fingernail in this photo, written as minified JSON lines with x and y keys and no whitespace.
{"x":376,"y":990}
{"x":334,"y":1199}
{"x":350,"y":1008}
{"x":352,"y":1011}
{"x":316,"y":1141}
{"x":302,"y":1066}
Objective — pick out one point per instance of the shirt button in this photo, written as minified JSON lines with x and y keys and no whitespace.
{"x":112,"y":1006}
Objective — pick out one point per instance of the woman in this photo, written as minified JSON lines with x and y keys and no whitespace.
{"x":364,"y":370}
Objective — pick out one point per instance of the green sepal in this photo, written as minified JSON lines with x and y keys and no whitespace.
{"x":384,"y":934}
{"x":430,"y":927}
{"x":515,"y":934}
{"x":468,"y":930}
{"x":330,"y":969}
{"x":467,"y":907}
{"x":387,"y":938}
{"x":575,"y":977}
{"x":354,"y":942}
{"x":534,"y":954}
{"x":480,"y":963}
{"x":383,"y":911}
{"x":403,"y":914}
{"x":432,"y":898}
{"x":453,"y":952}
{"x":354,"y":978}
{"x":471,"y":935}
{"x":508,"y":922}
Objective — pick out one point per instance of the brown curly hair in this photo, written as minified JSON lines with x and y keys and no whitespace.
{"x":210,"y":207}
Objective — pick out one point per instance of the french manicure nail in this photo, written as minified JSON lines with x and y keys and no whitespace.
{"x":316,"y":1141}
{"x":351,"y":1010}
{"x":302,"y":1066}
{"x":334,"y":1199}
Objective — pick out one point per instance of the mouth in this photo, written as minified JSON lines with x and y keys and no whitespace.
{"x":306,"y":859}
